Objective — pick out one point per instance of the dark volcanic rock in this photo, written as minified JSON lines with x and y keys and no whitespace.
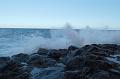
{"x":55,"y":54}
{"x":64,"y":52}
{"x":118,"y":58}
{"x":37,"y":61}
{"x":50,"y":62}
{"x":100,"y":75}
{"x":112,"y":47}
{"x":75,"y":62}
{"x":72,"y":48}
{"x":20,"y":57}
{"x":42,"y":51}
{"x":72,"y":75}
{"x":100,"y":64}
{"x":95,"y":61}
{"x":4,"y":59}
{"x":94,"y":57}
{"x":3,"y":62}
{"x":77,"y":74}
{"x":13,"y":71}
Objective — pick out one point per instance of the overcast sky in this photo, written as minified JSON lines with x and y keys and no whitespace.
{"x":55,"y":13}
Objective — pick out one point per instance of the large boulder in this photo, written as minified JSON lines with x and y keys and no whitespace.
{"x":3,"y":62}
{"x":55,"y":54}
{"x":22,"y":57}
{"x":64,"y":52}
{"x":72,"y":75}
{"x":72,"y":48}
{"x":112,"y":47}
{"x":37,"y":60}
{"x":42,"y":51}
{"x":100,"y":75}
{"x":4,"y":59}
{"x":77,"y":74}
{"x":50,"y":62}
{"x":95,"y":57}
{"x":96,"y":61}
{"x":75,"y":63}
{"x":13,"y":71}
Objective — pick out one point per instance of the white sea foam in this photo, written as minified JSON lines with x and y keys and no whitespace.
{"x":60,"y":39}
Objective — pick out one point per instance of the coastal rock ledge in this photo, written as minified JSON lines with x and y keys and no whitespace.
{"x":95,"y":61}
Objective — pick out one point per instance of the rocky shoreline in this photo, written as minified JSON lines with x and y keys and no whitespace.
{"x":95,"y":61}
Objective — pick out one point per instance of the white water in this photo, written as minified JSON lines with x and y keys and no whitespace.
{"x":59,"y":39}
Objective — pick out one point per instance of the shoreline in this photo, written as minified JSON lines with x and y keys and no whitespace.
{"x":95,"y":61}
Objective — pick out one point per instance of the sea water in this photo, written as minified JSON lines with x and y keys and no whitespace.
{"x":14,"y":40}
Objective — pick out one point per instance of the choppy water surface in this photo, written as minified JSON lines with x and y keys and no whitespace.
{"x":13,"y":41}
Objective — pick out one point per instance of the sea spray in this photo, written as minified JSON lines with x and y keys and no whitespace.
{"x":73,"y":36}
{"x":26,"y":41}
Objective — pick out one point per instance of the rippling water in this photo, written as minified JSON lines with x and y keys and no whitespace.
{"x":12,"y":40}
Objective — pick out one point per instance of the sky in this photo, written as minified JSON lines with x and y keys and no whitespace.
{"x":56,"y":13}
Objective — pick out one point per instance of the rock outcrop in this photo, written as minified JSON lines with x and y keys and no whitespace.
{"x":95,"y":61}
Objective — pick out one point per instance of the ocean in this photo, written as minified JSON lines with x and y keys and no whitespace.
{"x":14,"y":40}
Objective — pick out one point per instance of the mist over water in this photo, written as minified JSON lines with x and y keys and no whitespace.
{"x":28,"y":41}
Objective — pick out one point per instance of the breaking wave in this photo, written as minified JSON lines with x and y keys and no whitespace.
{"x":28,"y":41}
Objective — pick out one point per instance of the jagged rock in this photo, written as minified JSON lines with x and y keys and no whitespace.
{"x":84,"y":50}
{"x":96,"y":61}
{"x":114,"y":74}
{"x":75,"y":62}
{"x":72,"y":75}
{"x":2,"y":66}
{"x":25,"y":72}
{"x":70,"y":55}
{"x":112,"y":47}
{"x":92,"y":56}
{"x":24,"y":75}
{"x":4,"y":59}
{"x":50,"y":62}
{"x":100,"y":75}
{"x":76,"y":74}
{"x":64,"y":52}
{"x":13,"y":65}
{"x":42,"y":51}
{"x":37,"y":60}
{"x":115,"y":71}
{"x":100,"y":64}
{"x":95,"y":49}
{"x":72,"y":48}
{"x":55,"y":54}
{"x":118,"y":58}
{"x":13,"y":71}
{"x":3,"y":62}
{"x":20,"y":57}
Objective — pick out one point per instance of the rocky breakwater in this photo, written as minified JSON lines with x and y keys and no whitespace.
{"x":96,"y":61}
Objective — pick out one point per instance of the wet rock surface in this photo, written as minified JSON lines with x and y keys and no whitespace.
{"x":55,"y":54}
{"x":42,"y":51}
{"x":20,"y":57}
{"x":95,"y":61}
